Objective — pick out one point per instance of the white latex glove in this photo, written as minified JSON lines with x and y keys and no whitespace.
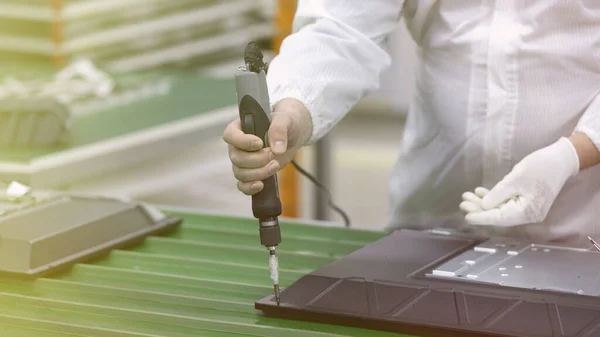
{"x":472,"y":200}
{"x":526,"y":194}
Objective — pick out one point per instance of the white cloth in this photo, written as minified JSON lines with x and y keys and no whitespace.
{"x":496,"y":81}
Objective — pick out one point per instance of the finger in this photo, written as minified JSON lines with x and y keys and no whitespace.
{"x":481,"y":191}
{"x":491,"y":217}
{"x":250,"y":188}
{"x":233,"y":135}
{"x":256,"y":174}
{"x":471,"y":197}
{"x":497,"y":196}
{"x":278,"y":133}
{"x":469,"y":207}
{"x":250,"y":160}
{"x":508,"y":215}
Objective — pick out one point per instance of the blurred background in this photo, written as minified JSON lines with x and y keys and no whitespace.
{"x":130,"y":98}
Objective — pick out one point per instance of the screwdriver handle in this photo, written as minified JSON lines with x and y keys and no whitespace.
{"x":254,"y":110}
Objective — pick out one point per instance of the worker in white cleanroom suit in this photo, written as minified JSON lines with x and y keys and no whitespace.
{"x":505,"y":118}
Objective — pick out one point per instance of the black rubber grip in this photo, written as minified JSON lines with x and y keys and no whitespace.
{"x":266,"y":203}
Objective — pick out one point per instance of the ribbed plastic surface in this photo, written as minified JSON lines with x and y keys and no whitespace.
{"x":202,"y":280}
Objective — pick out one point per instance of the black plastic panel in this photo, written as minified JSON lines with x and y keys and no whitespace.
{"x":384,"y":286}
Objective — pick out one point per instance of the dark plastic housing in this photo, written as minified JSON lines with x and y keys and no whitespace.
{"x":255,"y":120}
{"x":384,"y":286}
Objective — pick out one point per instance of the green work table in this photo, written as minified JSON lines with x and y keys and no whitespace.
{"x":201,"y":280}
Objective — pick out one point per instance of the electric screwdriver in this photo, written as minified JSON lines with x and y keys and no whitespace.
{"x":254,"y":110}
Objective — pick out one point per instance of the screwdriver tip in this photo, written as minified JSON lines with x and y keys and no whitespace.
{"x":277,"y":296}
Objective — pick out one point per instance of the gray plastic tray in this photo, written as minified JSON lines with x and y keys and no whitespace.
{"x":50,"y":235}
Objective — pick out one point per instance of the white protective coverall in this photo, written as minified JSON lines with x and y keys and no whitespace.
{"x":496,"y":81}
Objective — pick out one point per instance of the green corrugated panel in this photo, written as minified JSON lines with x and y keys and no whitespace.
{"x":202,"y":280}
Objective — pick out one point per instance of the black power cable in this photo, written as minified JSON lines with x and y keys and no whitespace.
{"x":324,"y":189}
{"x":253,"y":57}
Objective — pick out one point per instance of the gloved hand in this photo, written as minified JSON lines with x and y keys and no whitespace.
{"x":526,"y":194}
{"x":290,"y":129}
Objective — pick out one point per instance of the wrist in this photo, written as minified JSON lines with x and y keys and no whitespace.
{"x":569,"y":156}
{"x":587,"y":153}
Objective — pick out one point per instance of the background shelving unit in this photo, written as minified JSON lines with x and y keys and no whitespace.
{"x":127,"y":35}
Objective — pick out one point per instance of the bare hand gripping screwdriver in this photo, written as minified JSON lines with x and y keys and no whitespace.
{"x":254,"y":110}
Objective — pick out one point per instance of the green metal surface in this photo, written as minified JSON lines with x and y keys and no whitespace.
{"x":202,"y":280}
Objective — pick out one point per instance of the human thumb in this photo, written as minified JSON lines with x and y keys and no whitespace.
{"x":278,"y":133}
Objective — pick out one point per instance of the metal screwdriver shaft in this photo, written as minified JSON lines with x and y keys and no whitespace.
{"x":274,"y":270}
{"x":254,"y":108}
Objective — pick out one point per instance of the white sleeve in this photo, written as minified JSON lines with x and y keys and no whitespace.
{"x":334,"y":57}
{"x":589,"y":123}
